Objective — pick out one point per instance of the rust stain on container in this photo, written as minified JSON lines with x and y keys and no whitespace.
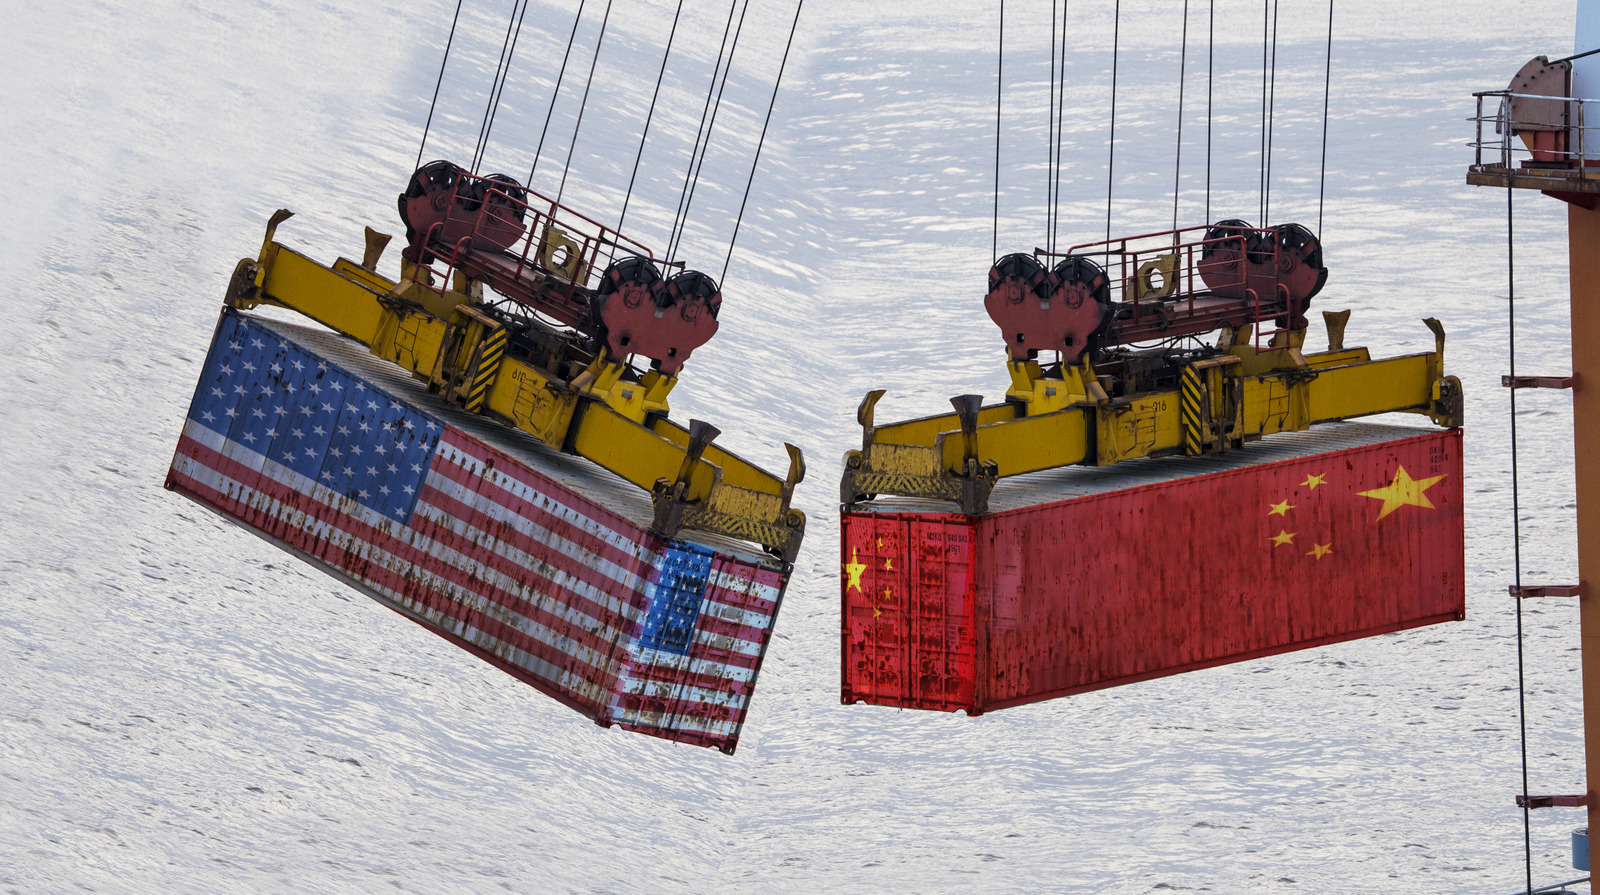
{"x":1129,"y":581}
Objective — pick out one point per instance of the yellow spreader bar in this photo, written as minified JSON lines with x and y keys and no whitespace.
{"x":594,"y":406}
{"x":1062,"y":419}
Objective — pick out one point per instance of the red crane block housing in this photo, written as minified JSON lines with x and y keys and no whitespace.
{"x":1085,"y":578}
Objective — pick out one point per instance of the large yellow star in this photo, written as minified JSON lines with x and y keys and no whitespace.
{"x":1404,"y":491}
{"x":854,"y":568}
{"x":1282,"y":537}
{"x":1321,"y":550}
{"x":1312,"y":481}
{"x":1281,"y":509}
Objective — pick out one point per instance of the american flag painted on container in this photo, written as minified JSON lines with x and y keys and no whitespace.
{"x":654,"y":634}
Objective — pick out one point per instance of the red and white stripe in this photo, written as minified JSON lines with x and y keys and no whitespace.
{"x":545,"y":583}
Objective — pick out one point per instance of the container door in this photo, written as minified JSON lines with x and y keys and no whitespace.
{"x":908,"y":610}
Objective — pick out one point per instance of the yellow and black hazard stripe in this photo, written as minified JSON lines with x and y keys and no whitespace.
{"x":1193,"y":412}
{"x":490,"y":351}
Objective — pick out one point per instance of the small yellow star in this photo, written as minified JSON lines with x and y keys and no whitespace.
{"x":876,"y":612}
{"x":1282,"y":537}
{"x":888,"y":565}
{"x":1312,"y":481}
{"x":854,"y":569}
{"x":1404,"y":491}
{"x":1281,"y":509}
{"x":1321,"y":550}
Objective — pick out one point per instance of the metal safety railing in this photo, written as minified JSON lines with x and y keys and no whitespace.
{"x":1166,"y":265}
{"x":1553,"y":888}
{"x":525,"y":245}
{"x":1568,"y":145}
{"x":1174,"y":273}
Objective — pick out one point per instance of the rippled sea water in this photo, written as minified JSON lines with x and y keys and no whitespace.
{"x":184,"y":708}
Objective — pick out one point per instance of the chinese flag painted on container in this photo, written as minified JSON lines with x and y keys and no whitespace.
{"x":947,"y":612}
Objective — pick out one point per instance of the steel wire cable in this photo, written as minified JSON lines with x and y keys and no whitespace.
{"x":1211,"y":59}
{"x":584,"y":102}
{"x":1050,"y":140}
{"x":492,"y":115}
{"x":555,"y":92}
{"x":1516,"y":526}
{"x":1272,"y":104}
{"x":1327,"y":82}
{"x":649,"y":116}
{"x":436,"y":84}
{"x":716,"y":108}
{"x":762,"y":139}
{"x":999,"y":95}
{"x":1111,"y":156}
{"x":508,"y":48}
{"x":1574,"y":56}
{"x":1261,"y":177}
{"x":711,"y":125}
{"x":1177,"y":162}
{"x":1061,"y":120}
{"x":705,"y":111}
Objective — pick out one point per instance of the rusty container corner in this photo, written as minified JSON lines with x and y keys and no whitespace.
{"x":1089,"y":578}
{"x":538,"y":563}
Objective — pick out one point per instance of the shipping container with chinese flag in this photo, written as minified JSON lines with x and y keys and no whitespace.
{"x":1085,"y":578}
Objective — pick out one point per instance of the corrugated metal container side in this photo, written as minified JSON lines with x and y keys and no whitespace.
{"x":527,"y":559}
{"x":1136,"y":582}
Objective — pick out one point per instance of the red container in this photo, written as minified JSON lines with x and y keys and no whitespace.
{"x":535,"y":562}
{"x":1085,"y":578}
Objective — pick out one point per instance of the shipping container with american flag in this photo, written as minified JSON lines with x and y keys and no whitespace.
{"x":528,"y":559}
